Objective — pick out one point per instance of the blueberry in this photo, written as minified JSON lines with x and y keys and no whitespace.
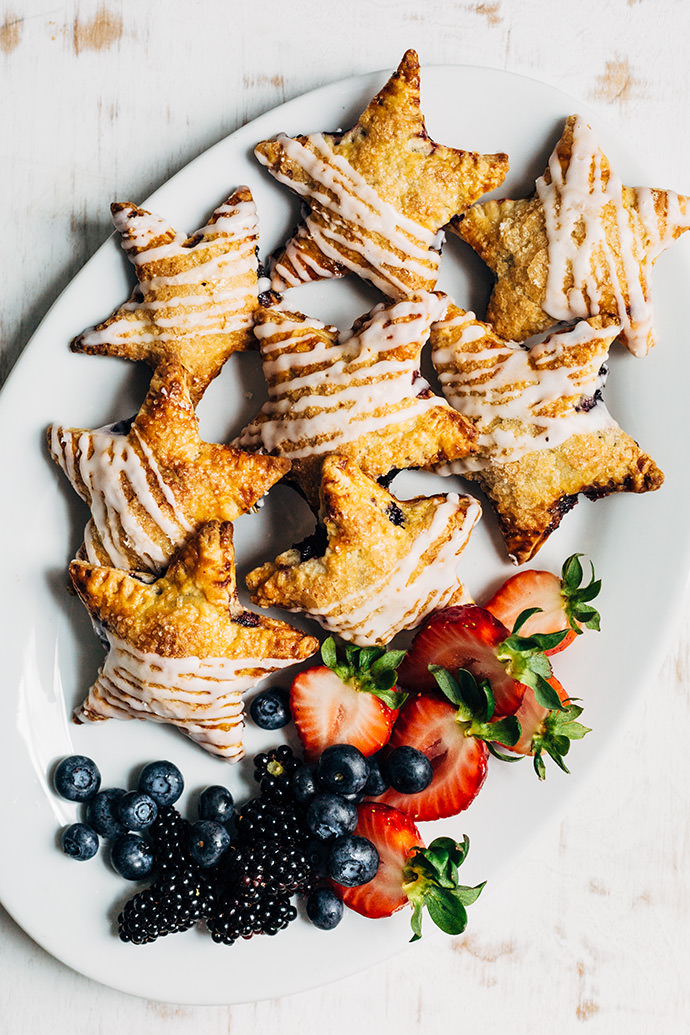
{"x":329,"y":816}
{"x":102,"y":812}
{"x":270,"y":710}
{"x":79,"y":841}
{"x":303,"y":784}
{"x":376,"y":782}
{"x":342,"y":769}
{"x":408,"y":770}
{"x":136,"y":811}
{"x":216,"y":803}
{"x":352,"y":861}
{"x":132,"y":856}
{"x":207,"y":842}
{"x":77,"y":778}
{"x":163,"y":781}
{"x":324,"y":908}
{"x":316,"y":852}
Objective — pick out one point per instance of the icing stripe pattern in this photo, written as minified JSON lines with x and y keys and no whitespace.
{"x":136,"y":523}
{"x":422,"y":581}
{"x":204,"y":286}
{"x":324,"y":392}
{"x":352,"y":226}
{"x":596,"y":240}
{"x":200,"y":696}
{"x":521,"y":400}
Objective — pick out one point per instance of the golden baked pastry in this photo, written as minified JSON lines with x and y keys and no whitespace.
{"x":378,"y":194}
{"x":182,"y":649}
{"x":582,"y":245}
{"x":150,"y":487}
{"x":195,"y":297}
{"x":544,"y":434}
{"x":379,"y":565}
{"x":362,"y":395}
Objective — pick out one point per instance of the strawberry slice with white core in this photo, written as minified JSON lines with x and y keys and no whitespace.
{"x":408,"y":872}
{"x":548,"y":731}
{"x":459,"y":761}
{"x":350,"y":701}
{"x":471,"y":638}
{"x":562,"y":602}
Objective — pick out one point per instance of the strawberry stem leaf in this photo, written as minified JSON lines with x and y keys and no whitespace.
{"x":576,"y":597}
{"x":557,"y":731}
{"x":430,"y":880}
{"x":369,"y":669}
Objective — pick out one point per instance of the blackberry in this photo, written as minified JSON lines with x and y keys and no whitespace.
{"x":278,"y":867}
{"x":242,"y":914}
{"x":273,"y":772}
{"x":169,"y":835}
{"x":264,"y":820}
{"x":174,"y":902}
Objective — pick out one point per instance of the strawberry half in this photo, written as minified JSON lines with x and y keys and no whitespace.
{"x":350,"y":701}
{"x":557,"y":603}
{"x":409,"y":872}
{"x":471,"y":638}
{"x":550,"y":731}
{"x":454,"y":735}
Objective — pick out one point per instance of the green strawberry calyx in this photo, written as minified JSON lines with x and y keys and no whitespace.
{"x":525,"y":660}
{"x":554,"y":736}
{"x":576,"y":597}
{"x":430,"y":881}
{"x":475,"y":706}
{"x":373,"y":670}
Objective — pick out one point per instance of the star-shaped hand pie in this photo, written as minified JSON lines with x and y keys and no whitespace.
{"x":544,"y":433}
{"x":361,"y":395}
{"x":378,"y":194}
{"x":376,"y":564}
{"x":150,"y":487}
{"x":182,"y":650}
{"x":195,"y":298}
{"x":582,"y":245}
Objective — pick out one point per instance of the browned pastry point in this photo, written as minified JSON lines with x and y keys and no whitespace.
{"x":182,"y":648}
{"x":378,"y":194}
{"x":379,"y":565}
{"x":195,"y":297}
{"x":150,"y":488}
{"x":582,"y":245}
{"x":544,"y":435}
{"x":362,"y":396}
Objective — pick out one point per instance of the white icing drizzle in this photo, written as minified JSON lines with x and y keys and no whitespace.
{"x":215,"y":296}
{"x":356,"y":390}
{"x":348,"y":216}
{"x":510,"y":392}
{"x":201,"y":696}
{"x":416,"y":586}
{"x":135,"y":517}
{"x":584,"y":202}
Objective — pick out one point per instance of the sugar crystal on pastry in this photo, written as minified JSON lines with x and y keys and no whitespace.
{"x":544,"y":434}
{"x":359,"y":394}
{"x":182,"y":649}
{"x":195,"y":296}
{"x":151,"y":487}
{"x":581,"y":246}
{"x":385,"y":563}
{"x":378,"y":194}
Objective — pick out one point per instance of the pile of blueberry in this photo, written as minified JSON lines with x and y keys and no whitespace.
{"x":235,"y":869}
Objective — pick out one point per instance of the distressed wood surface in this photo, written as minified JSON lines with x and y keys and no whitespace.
{"x":591,"y":929}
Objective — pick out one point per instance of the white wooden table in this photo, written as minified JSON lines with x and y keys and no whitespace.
{"x":591,"y":930}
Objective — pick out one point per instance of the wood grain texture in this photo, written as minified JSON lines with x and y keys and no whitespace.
{"x":590,"y":932}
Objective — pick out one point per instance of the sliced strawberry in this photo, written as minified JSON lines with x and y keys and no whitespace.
{"x":394,"y":836}
{"x":461,"y":637}
{"x":563,"y":602}
{"x":458,"y":760}
{"x":328,"y":711}
{"x":347,"y":701}
{"x":548,"y":730}
{"x":408,"y":872}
